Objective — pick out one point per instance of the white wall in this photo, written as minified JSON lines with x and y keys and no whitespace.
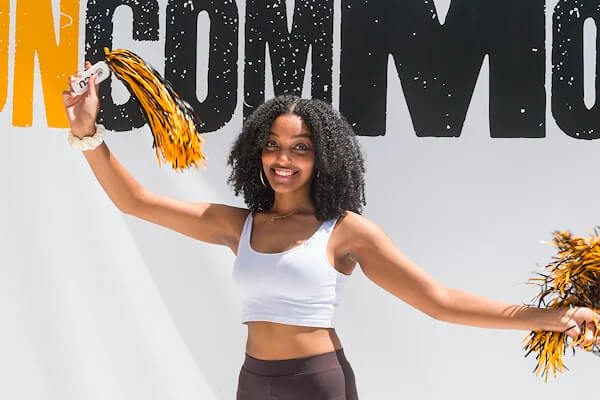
{"x":96,"y":304}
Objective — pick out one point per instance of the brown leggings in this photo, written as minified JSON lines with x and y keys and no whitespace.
{"x":326,"y":376}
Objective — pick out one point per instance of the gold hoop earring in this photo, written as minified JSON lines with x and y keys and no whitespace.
{"x":261,"y":177}
{"x":318,"y":173}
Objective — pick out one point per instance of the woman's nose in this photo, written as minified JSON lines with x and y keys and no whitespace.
{"x":283,"y":155}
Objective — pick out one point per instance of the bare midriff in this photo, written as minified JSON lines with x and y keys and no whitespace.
{"x":274,"y":341}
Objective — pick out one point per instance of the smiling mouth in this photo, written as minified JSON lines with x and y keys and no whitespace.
{"x":283,"y":172}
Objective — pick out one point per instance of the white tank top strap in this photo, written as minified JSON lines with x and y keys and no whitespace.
{"x":322,"y":234}
{"x":329,"y":226}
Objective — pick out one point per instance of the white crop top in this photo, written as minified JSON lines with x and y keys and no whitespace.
{"x":296,"y":287}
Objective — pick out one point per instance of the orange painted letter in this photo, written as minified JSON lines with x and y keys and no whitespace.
{"x":4,"y":24}
{"x":35,"y":35}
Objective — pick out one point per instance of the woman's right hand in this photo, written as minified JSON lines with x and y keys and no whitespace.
{"x":82,"y":110}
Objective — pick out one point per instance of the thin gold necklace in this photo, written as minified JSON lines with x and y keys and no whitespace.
{"x":276,"y":217}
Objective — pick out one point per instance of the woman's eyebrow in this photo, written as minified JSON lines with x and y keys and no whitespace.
{"x":306,"y":135}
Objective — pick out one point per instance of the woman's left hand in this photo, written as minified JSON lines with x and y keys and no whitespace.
{"x":576,"y":318}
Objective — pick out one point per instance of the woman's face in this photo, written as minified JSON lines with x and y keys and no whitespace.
{"x":288,"y":157}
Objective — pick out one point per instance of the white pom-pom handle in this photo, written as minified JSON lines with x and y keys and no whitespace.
{"x":102,"y":71}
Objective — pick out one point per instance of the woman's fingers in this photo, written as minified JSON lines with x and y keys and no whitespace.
{"x":587,"y":326}
{"x":78,"y":74}
{"x":583,"y":321}
{"x":589,"y":335}
{"x":69,"y":96}
{"x":93,"y":90}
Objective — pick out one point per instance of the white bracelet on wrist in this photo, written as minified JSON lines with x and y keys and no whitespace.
{"x":88,"y":142}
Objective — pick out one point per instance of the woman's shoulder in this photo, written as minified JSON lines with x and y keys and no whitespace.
{"x":353,"y":234}
{"x":354,"y":222}
{"x":230,"y":217}
{"x":232,"y":220}
{"x":236,"y":215}
{"x":354,"y":226}
{"x":358,"y":236}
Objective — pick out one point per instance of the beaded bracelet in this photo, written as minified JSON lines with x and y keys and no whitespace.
{"x":87,"y":142}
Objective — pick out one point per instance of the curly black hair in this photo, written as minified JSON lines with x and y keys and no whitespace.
{"x":338,"y":187}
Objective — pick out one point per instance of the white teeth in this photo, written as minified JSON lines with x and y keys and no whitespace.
{"x":283,"y":172}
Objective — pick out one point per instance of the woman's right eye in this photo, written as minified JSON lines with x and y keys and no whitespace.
{"x":270,"y":143}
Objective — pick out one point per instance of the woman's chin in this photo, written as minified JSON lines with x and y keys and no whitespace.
{"x":279,"y":188}
{"x":287,"y":187}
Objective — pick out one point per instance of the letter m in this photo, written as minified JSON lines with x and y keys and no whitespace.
{"x":438,"y":64}
{"x":312,"y":27}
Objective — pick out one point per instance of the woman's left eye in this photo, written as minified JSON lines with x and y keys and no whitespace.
{"x":302,"y":146}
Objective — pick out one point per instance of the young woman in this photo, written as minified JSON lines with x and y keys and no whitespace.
{"x":299,"y":167}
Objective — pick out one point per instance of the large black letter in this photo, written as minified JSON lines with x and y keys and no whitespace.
{"x":266,"y":22}
{"x":98,"y":34}
{"x":438,"y":65}
{"x":182,"y":54}
{"x":568,"y":107}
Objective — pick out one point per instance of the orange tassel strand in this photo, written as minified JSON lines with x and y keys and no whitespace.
{"x":572,"y":280}
{"x":172,"y":121}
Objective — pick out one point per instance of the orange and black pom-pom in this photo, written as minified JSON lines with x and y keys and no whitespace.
{"x":572,"y":279}
{"x":172,"y":121}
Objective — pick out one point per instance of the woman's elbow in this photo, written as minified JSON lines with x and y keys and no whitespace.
{"x":439,"y":304}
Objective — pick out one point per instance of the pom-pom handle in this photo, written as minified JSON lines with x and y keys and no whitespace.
{"x":102,"y":71}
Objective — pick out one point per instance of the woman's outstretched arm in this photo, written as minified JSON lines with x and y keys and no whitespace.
{"x":213,"y":223}
{"x":384,"y":264}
